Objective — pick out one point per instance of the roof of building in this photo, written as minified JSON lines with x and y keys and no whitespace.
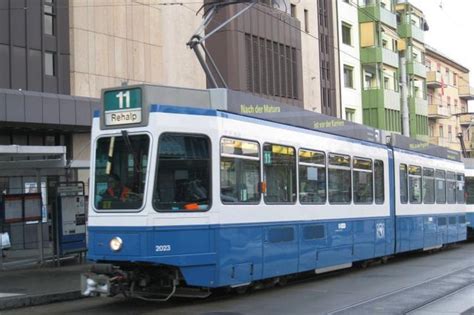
{"x":436,"y":53}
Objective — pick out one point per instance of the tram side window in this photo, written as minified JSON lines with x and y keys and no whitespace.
{"x":460,"y":188}
{"x":469,"y":190}
{"x":183,"y":181}
{"x":451,"y":187}
{"x":312,"y":177}
{"x":440,"y":186}
{"x":403,"y":183}
{"x":362,"y":180}
{"x":414,"y":183}
{"x":379,"y":182}
{"x":240,"y":171}
{"x":279,"y":166}
{"x":339,"y":178}
{"x":428,"y":186}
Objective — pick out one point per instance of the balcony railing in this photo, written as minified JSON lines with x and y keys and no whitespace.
{"x":379,"y":55}
{"x":433,"y":79}
{"x":438,"y":111}
{"x":406,"y":29}
{"x":373,"y":11}
{"x":416,"y":68}
{"x":466,"y":119}
{"x":466,"y":92}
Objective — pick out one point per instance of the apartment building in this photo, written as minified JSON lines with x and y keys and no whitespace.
{"x":411,"y":28}
{"x":350,"y":65}
{"x":448,"y":94}
{"x":379,"y":48}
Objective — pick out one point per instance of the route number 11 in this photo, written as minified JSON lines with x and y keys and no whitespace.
{"x":123,"y":95}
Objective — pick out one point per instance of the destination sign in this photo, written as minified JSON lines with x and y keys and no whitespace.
{"x":123,"y":107}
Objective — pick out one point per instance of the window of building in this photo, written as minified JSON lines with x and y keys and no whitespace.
{"x":384,"y":43}
{"x":240,"y":171}
{"x":414,"y":183}
{"x":450,"y":187}
{"x":379,"y":182}
{"x":460,"y":188}
{"x":448,"y":100}
{"x":428,"y":186}
{"x":49,"y":64}
{"x":183,"y":180}
{"x":49,"y":17}
{"x":455,"y":79}
{"x":279,"y":173}
{"x":438,"y":67}
{"x":348,"y":76}
{"x":362,"y":180}
{"x":293,"y":10}
{"x":448,"y":77}
{"x":403,"y":183}
{"x":440,"y":186}
{"x":312,"y":177}
{"x":306,"y":21}
{"x":339,"y":178}
{"x":441,"y":131}
{"x":346,"y":33}
{"x":450,"y":133}
{"x":350,"y":113}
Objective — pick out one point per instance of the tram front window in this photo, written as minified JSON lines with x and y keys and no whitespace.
{"x":120,"y":171}
{"x":183,"y":181}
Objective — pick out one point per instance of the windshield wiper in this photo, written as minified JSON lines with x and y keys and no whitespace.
{"x":131,"y":150}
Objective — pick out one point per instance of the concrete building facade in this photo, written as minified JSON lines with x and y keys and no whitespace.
{"x":349,"y":55}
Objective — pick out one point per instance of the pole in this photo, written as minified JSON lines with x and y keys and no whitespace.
{"x":404,"y":88}
{"x":40,"y":222}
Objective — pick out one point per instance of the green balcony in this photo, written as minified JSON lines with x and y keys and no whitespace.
{"x":378,"y":97}
{"x":406,"y":30}
{"x":416,"y":68}
{"x":419,"y":106}
{"x":379,"y":55}
{"x":375,"y":12}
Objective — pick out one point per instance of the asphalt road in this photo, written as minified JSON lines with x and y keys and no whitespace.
{"x":402,"y":285}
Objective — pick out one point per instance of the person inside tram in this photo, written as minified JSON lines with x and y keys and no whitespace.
{"x":116,"y":190}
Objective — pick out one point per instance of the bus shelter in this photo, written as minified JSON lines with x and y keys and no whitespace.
{"x":25,"y":206}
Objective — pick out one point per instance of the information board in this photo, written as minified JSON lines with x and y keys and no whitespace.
{"x":71,"y":218}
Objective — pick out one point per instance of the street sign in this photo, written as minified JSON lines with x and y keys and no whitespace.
{"x":122,"y":107}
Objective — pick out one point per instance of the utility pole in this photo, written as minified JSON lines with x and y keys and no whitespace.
{"x":404,"y":88}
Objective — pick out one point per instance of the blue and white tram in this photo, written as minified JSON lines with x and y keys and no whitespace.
{"x":197,"y":199}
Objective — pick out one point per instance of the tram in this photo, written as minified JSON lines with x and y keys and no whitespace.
{"x":187,"y":196}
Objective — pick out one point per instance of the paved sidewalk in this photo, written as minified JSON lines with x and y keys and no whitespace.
{"x":19,"y":288}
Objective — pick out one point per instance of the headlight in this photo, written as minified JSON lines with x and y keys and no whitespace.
{"x":116,"y":244}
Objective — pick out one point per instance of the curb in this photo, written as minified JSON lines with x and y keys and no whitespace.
{"x":32,"y":300}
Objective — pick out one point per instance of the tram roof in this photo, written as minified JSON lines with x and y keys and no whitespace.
{"x":247,"y":104}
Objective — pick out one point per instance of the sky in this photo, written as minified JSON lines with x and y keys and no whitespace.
{"x":451,"y":29}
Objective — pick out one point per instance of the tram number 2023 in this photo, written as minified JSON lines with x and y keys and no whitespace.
{"x":162,"y":248}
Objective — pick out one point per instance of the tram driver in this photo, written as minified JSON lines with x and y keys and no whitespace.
{"x":116,"y":190}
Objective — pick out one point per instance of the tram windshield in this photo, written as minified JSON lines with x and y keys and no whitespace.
{"x":120,"y":171}
{"x":469,"y":188}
